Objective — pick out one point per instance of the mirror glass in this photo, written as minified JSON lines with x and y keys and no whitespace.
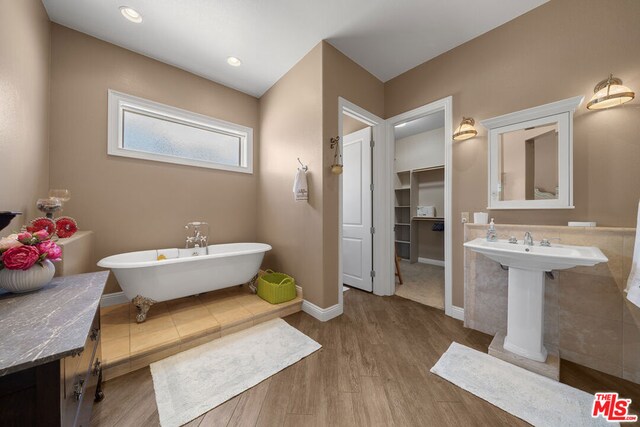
{"x":528,"y":163}
{"x":530,"y":157}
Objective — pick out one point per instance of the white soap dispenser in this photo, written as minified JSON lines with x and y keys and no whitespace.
{"x":492,"y":235}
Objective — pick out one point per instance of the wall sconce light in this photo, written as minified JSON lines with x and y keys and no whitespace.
{"x":610,"y":93}
{"x":336,"y":167}
{"x":465,"y":130}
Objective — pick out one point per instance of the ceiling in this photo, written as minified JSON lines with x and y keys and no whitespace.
{"x":385,"y":37}
{"x":423,"y":124}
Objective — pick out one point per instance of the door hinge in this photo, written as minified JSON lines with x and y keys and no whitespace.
{"x":373,"y":230}
{"x":371,"y":187}
{"x":372,"y":143}
{"x":373,"y":274}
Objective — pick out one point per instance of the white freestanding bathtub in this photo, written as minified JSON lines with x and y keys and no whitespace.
{"x":145,"y":279}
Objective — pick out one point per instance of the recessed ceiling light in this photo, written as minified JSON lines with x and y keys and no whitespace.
{"x":131,"y":14}
{"x":233,"y":61}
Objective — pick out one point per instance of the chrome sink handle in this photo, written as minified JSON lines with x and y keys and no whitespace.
{"x":513,"y":240}
{"x":547,"y":242}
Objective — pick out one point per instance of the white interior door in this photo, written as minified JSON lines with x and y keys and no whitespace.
{"x":357,"y":249}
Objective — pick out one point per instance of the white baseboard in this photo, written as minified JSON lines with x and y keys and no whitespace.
{"x":322,"y":314}
{"x":430,"y":261}
{"x":456,"y":312}
{"x":113,"y":299}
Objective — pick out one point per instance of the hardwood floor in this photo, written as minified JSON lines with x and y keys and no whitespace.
{"x":373,"y":370}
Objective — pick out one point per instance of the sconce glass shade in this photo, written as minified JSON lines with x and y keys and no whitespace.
{"x":610,"y":93}
{"x":465,"y":130}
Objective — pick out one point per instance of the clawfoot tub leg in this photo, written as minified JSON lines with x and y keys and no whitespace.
{"x":143,"y":305}
{"x":253,"y":284}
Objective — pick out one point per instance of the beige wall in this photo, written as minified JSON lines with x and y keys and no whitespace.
{"x":298,"y":116}
{"x":515,"y":164}
{"x":578,"y":42}
{"x":430,"y":243}
{"x":546,"y":162}
{"x":341,"y":77}
{"x":351,"y":125}
{"x":291,"y":127}
{"x":135,"y":204}
{"x":24,"y":107}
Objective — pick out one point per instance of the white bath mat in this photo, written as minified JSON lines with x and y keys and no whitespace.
{"x":195,"y":381}
{"x":526,"y":395}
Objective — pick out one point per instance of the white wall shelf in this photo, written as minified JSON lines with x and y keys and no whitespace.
{"x":432,"y":168}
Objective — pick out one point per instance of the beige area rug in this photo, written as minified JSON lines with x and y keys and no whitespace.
{"x":538,"y":400}
{"x":423,"y":283}
{"x":195,"y":381}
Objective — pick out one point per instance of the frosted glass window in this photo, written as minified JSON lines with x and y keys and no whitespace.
{"x":167,"y":138}
{"x":147,"y":130}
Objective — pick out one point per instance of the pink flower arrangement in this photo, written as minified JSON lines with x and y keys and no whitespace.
{"x":22,"y":251}
{"x":50,"y":249}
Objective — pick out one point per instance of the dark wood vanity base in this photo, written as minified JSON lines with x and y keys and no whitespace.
{"x":52,"y":374}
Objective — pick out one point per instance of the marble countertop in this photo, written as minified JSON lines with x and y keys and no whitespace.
{"x":49,"y":324}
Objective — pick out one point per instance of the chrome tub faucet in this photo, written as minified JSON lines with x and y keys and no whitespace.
{"x":198,"y":236}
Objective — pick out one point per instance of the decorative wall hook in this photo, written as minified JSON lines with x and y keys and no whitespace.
{"x":303,"y":166}
{"x":336,"y":167}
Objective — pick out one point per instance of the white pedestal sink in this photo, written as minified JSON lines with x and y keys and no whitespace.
{"x":527,"y":267}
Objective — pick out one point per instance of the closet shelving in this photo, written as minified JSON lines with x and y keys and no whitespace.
{"x":413,"y":188}
{"x":403,"y":213}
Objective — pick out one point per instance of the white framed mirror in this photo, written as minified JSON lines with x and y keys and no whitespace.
{"x":531,"y":157}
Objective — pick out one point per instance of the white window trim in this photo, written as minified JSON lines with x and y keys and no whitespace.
{"x":119,"y":102}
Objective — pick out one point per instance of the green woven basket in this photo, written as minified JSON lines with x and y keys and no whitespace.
{"x":276,"y":287}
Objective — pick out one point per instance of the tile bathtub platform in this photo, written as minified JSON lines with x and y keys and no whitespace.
{"x":178,"y":325}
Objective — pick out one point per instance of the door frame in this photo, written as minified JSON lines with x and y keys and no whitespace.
{"x":379,"y":134}
{"x":444,"y":104}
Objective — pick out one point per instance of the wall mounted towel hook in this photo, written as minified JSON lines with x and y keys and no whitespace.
{"x":304,"y":167}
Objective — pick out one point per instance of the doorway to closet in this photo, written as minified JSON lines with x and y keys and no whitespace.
{"x":383,"y":194}
{"x":419,"y":208}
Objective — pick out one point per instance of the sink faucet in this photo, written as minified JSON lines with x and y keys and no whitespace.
{"x":197,"y":239}
{"x":528,"y":239}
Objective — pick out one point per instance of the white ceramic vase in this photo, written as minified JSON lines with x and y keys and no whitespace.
{"x":19,"y":281}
